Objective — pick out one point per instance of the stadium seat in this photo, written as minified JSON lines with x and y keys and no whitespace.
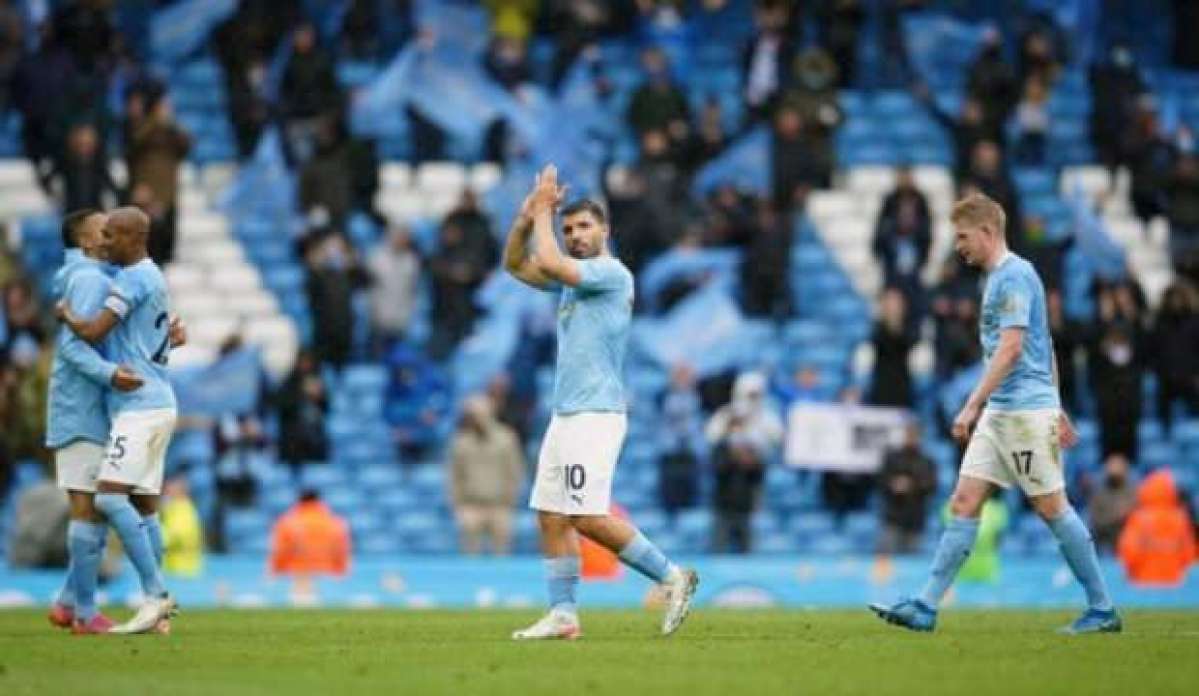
{"x":441,"y":179}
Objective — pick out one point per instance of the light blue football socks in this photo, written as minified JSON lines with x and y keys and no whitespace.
{"x":85,"y":541}
{"x":562,"y":577}
{"x":154,"y":532}
{"x":1079,"y":550}
{"x":131,"y":529}
{"x":645,"y":558}
{"x":954,"y":548}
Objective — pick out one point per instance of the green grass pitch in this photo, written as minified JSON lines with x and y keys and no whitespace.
{"x":731,"y":653}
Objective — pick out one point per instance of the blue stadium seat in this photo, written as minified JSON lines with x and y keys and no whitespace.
{"x":321,"y":476}
{"x":244,"y":523}
{"x":380,"y":477}
{"x":763,"y":522}
{"x":811,"y":524}
{"x":830,"y":544}
{"x":379,"y":543}
{"x":275,"y":500}
{"x":775,"y":543}
{"x":1037,"y":181}
{"x":359,"y":379}
{"x":396,"y":501}
{"x":344,"y":498}
{"x":897,"y":105}
{"x":364,"y":522}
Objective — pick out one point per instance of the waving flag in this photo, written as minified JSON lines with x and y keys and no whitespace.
{"x":745,"y":165}
{"x":180,"y":29}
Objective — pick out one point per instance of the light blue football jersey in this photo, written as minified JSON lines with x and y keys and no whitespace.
{"x":80,"y":375}
{"x":1014,"y":297}
{"x":593,"y":331}
{"x":141,"y":341}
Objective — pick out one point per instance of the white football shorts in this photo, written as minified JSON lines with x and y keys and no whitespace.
{"x":137,"y":449}
{"x":577,"y":460}
{"x":77,"y":466}
{"x":1017,"y":447}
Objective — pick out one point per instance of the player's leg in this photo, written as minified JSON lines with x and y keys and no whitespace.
{"x":640,"y":554}
{"x":147,"y":507}
{"x":982,"y":470}
{"x":560,"y":552}
{"x":1035,"y":455}
{"x":1078,"y":548}
{"x":958,"y":538}
{"x":559,"y":546}
{"x":77,"y":466}
{"x":113,"y":501}
{"x":133,"y":467}
{"x":628,"y":543}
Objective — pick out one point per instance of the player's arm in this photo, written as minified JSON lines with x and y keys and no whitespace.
{"x":547,"y":255}
{"x":516,"y":251}
{"x":1011,"y":340}
{"x":86,"y":295}
{"x":1011,"y":343}
{"x":91,"y":330}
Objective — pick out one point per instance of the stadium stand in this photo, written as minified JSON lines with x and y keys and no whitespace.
{"x":244,"y":261}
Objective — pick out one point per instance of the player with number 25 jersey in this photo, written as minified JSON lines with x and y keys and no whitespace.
{"x":142,"y":420}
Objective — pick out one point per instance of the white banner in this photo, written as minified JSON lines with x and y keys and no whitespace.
{"x":835,"y":437}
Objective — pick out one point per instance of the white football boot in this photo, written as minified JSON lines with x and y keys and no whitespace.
{"x":556,"y":625}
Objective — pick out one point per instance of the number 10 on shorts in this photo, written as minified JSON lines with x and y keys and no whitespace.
{"x":575,"y":477}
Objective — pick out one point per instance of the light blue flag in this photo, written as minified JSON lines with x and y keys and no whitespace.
{"x":382,"y":100}
{"x":714,"y":327}
{"x":745,"y":165}
{"x":1091,"y":238}
{"x":455,"y":94}
{"x":180,"y":29}
{"x":229,"y":385}
{"x":719,"y":265}
{"x":460,"y":27}
{"x":939,"y":44}
{"x":264,"y":187}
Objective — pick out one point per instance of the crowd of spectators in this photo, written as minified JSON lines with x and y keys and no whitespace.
{"x":279,"y":67}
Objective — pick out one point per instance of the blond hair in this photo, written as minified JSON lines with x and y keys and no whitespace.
{"x":978,"y":210}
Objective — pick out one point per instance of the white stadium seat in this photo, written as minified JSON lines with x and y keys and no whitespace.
{"x":16,"y":173}
{"x":199,"y":227}
{"x":401,"y":205}
{"x":822,"y":205}
{"x":237,"y":278}
{"x":1091,"y":179}
{"x":871,"y":179}
{"x":441,"y":178}
{"x":24,"y":201}
{"x":182,"y":276}
{"x":395,"y":176}
{"x":216,"y":253}
{"x":485,"y":175}
{"x":933,"y":180}
{"x":196,"y":306}
{"x":212,"y":331}
{"x":251,"y":304}
{"x":215,"y":177}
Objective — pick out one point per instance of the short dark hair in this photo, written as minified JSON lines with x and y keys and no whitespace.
{"x":309,"y":495}
{"x":586,"y":205}
{"x":71,"y":224}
